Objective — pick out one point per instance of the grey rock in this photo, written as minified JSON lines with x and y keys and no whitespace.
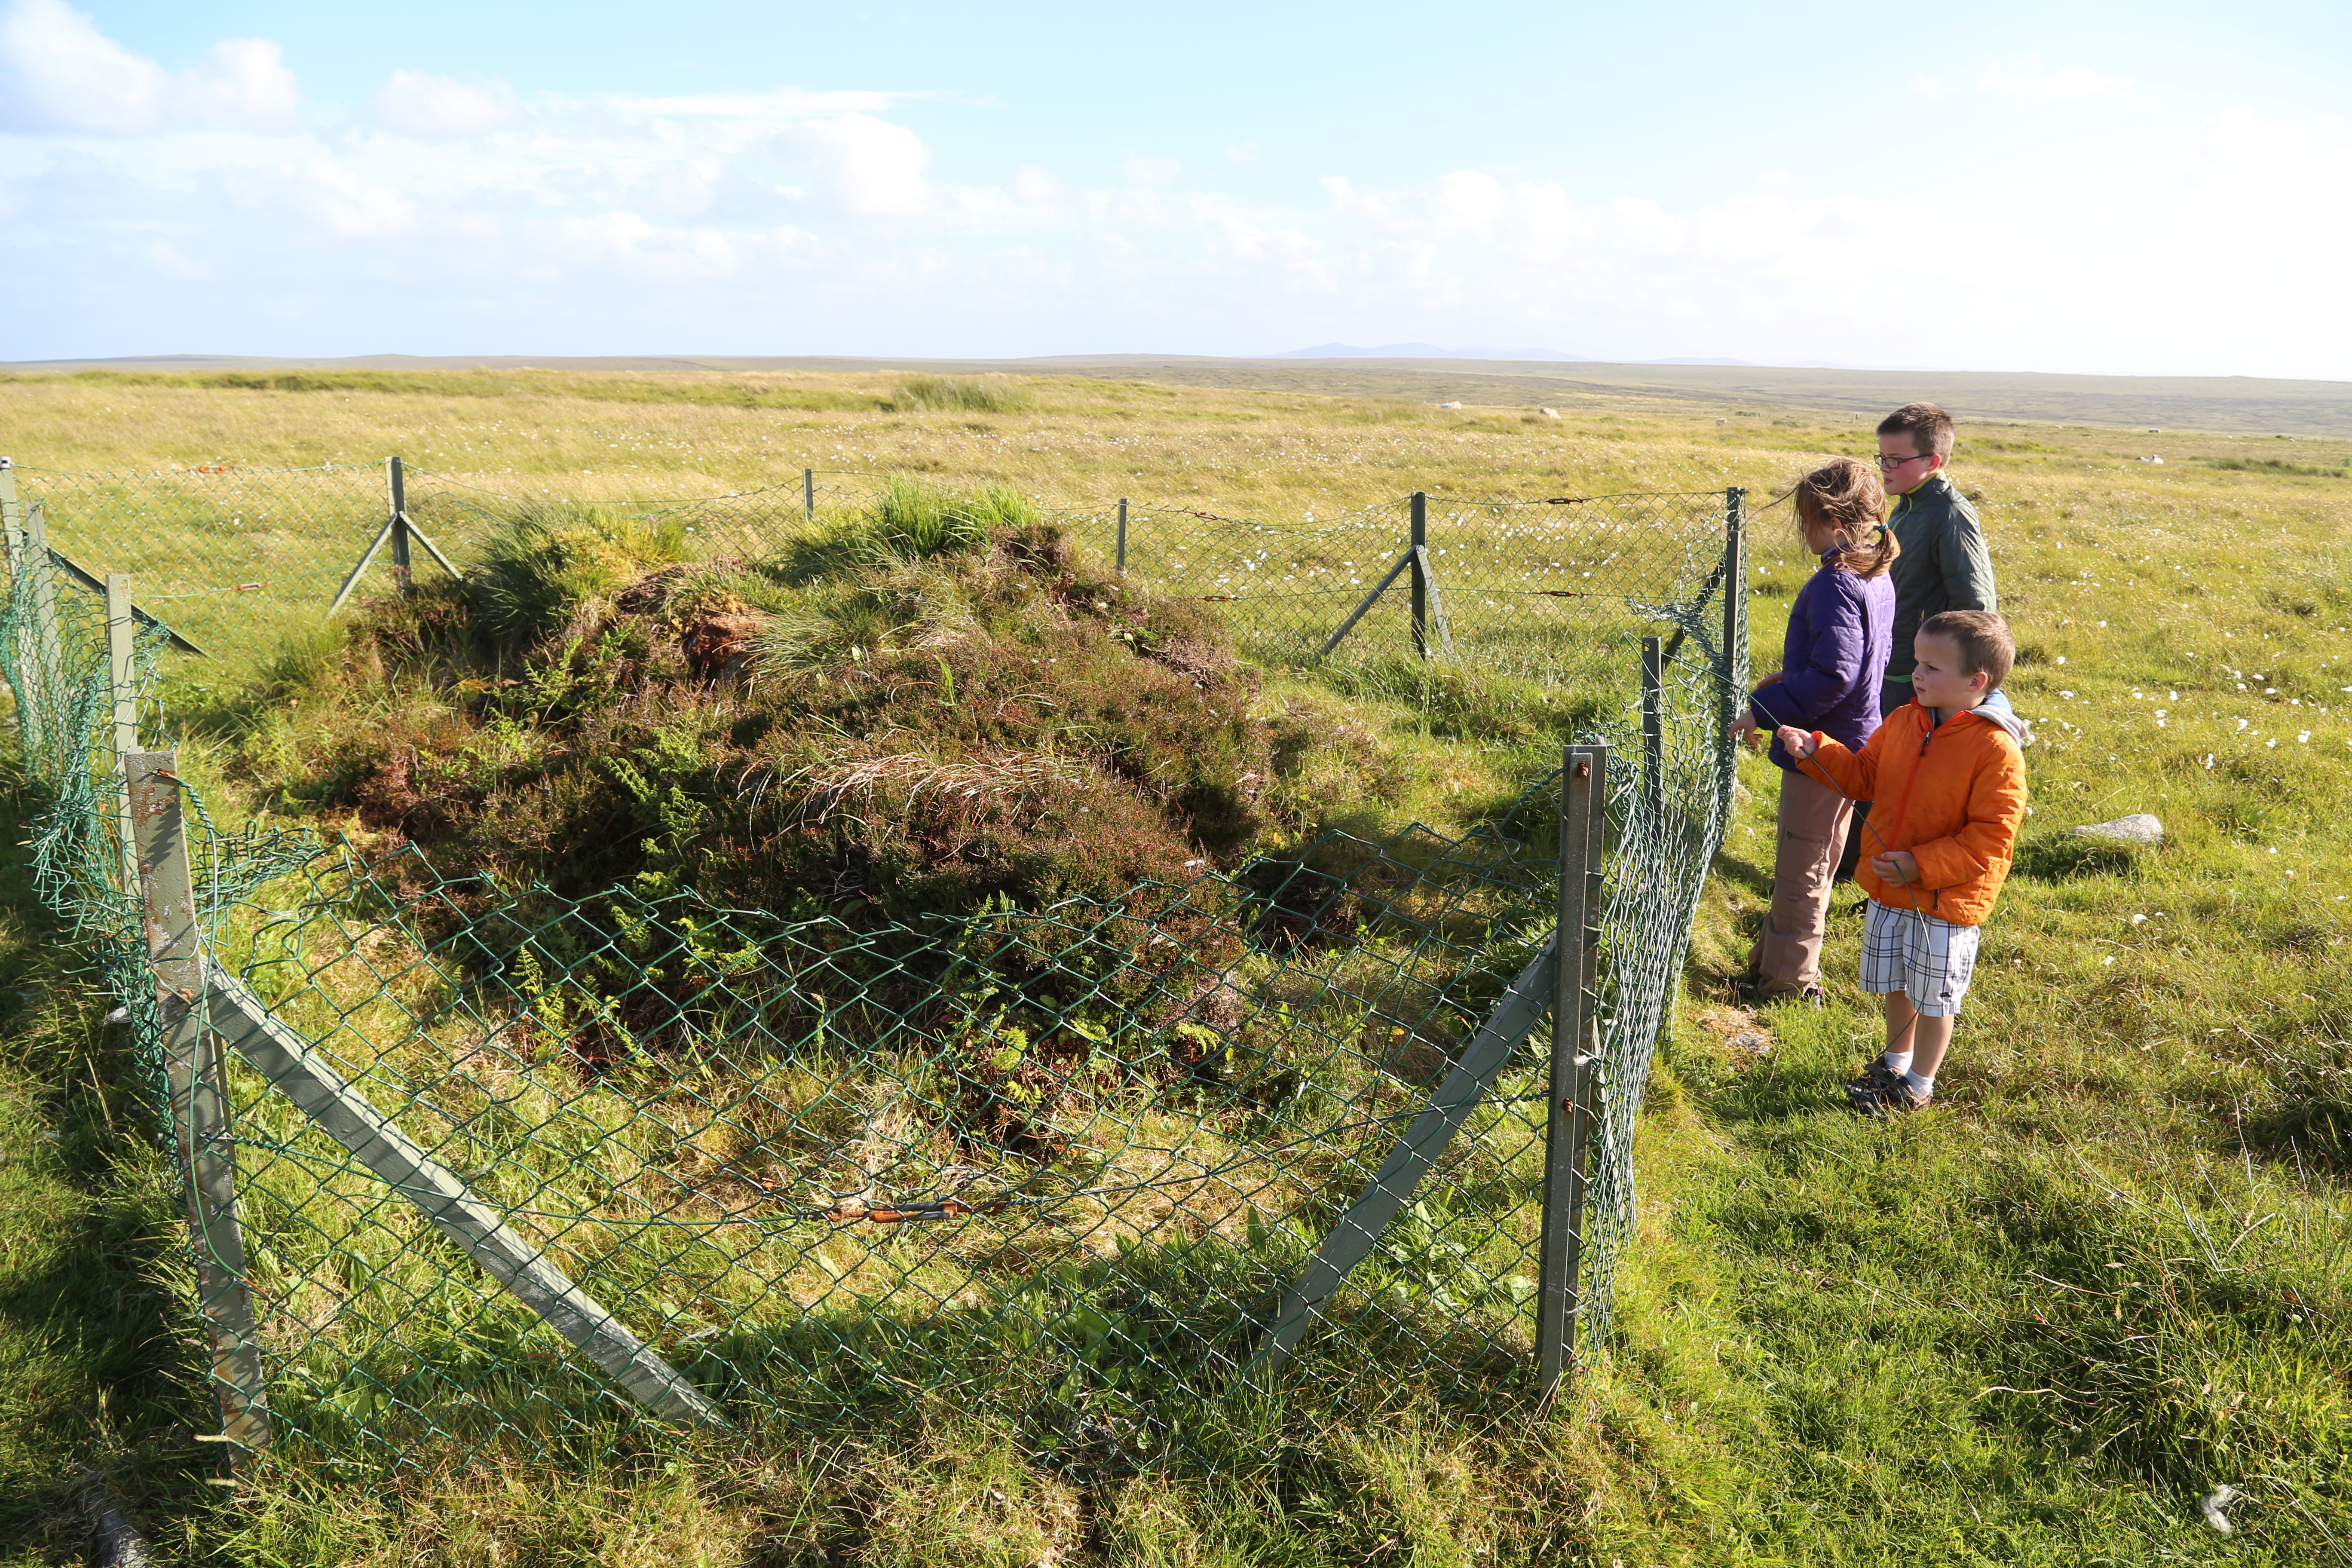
{"x":2139,"y":828}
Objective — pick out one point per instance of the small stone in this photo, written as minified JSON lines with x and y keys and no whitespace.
{"x":2140,"y":827}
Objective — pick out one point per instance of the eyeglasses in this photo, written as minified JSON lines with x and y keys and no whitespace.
{"x":1885,"y":462}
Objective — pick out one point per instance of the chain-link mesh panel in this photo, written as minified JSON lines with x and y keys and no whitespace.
{"x":1056,"y":1165}
{"x":231,"y":558}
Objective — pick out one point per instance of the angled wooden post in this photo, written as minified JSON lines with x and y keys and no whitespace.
{"x":299,"y":1071}
{"x":351,"y":578}
{"x":1352,"y":1239}
{"x":198,"y":1101}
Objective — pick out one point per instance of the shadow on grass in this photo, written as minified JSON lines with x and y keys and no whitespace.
{"x":1112,"y":1366}
{"x":98,"y":1361}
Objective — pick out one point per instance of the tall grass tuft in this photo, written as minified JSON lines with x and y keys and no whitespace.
{"x":946,"y":395}
{"x":551,"y":556}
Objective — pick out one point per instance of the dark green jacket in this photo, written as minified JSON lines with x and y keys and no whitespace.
{"x":1944,"y":565}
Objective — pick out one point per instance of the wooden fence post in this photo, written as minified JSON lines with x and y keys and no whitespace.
{"x":396,"y":482}
{"x":123,"y":686}
{"x":48,"y":652}
{"x":12,"y":529}
{"x":1419,"y":550}
{"x":197,"y":1090}
{"x":1654,"y":724}
{"x":1584,"y":825}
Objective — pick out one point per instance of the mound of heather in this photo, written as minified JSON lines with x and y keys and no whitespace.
{"x":938,"y":707}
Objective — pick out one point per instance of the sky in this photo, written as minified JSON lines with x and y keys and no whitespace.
{"x":2151,"y":189}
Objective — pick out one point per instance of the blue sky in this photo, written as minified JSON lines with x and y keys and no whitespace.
{"x":2150,"y":188}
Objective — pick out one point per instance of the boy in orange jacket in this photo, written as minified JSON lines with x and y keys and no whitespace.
{"x":1945,"y":778}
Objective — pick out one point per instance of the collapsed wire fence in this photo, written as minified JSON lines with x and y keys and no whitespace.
{"x":481,"y":1171}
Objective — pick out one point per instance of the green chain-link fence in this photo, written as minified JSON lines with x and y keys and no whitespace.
{"x":476,"y":1169}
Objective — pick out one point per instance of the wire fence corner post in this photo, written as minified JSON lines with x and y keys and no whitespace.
{"x":122,"y":688}
{"x":808,"y":493}
{"x":197,"y":1096}
{"x":1419,"y":550}
{"x":1584,"y":811}
{"x":396,"y":485}
{"x":1122,"y":536}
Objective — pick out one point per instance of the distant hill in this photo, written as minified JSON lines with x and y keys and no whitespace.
{"x":2248,"y":404}
{"x":1431,"y":350}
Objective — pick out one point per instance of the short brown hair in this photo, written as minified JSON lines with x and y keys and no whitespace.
{"x":1847,"y":495}
{"x":1983,"y":640}
{"x":1929,"y":427}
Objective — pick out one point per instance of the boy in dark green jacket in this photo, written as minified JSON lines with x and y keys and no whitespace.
{"x":1943,"y":564}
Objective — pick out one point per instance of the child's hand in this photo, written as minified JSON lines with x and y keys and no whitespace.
{"x":1744,"y":728}
{"x":1798,"y":744}
{"x":1901,"y":868}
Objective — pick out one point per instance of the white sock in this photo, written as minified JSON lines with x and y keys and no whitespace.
{"x":1924,"y":1088}
{"x":1899,"y":1061}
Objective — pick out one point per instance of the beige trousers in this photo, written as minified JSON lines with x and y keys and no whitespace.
{"x":1812,"y":828}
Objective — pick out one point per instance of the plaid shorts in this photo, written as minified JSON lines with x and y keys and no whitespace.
{"x":1928,"y":960}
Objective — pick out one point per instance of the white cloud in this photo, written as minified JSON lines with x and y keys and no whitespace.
{"x":60,"y":73}
{"x":419,"y":103}
{"x":862,"y":165}
{"x":243,"y":83}
{"x":2027,"y":78}
{"x":1246,"y":153}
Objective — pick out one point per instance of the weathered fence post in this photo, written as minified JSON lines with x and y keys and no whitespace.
{"x":1122,"y":536}
{"x":48,"y":653}
{"x":1419,"y":549}
{"x":11,"y":518}
{"x":1583,"y":821}
{"x":197,"y":1095}
{"x":808,"y":493}
{"x":12,"y":528}
{"x":1733,"y":679}
{"x":123,"y":686}
{"x":1654,"y":722}
{"x":397,"y":483}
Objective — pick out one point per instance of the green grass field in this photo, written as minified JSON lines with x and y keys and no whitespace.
{"x":2106,"y":1273}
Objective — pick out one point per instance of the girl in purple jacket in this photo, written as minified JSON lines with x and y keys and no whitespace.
{"x":1839,"y":632}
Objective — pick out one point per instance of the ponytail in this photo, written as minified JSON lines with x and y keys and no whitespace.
{"x":1873,"y":556}
{"x":1846,"y":496}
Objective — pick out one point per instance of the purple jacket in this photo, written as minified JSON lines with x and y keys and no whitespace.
{"x":1839,"y":631}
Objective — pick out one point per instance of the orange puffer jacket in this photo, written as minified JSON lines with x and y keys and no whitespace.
{"x":1953,"y":796}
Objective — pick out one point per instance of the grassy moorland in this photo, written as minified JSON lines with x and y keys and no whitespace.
{"x":2108,"y":1273}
